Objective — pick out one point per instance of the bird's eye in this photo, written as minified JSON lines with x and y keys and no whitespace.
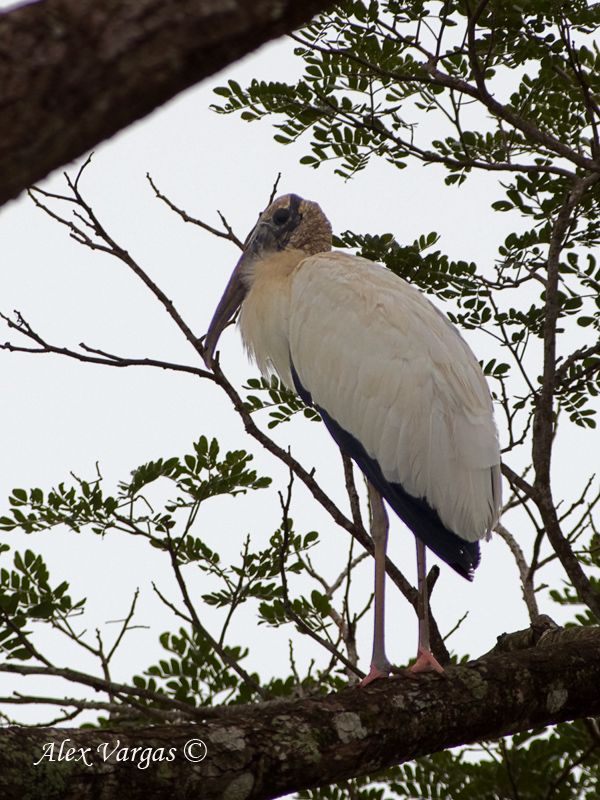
{"x":281,"y":216}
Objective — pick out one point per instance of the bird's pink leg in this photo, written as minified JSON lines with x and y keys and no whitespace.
{"x":380,"y":666}
{"x":426,"y":661}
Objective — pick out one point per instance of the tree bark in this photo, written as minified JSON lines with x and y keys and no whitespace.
{"x":74,"y":72}
{"x":269,"y":749}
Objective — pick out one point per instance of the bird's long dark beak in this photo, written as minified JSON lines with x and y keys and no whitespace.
{"x":264,"y":237}
{"x":232,"y":299}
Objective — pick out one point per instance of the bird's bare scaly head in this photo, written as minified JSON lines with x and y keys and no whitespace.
{"x":289,"y":223}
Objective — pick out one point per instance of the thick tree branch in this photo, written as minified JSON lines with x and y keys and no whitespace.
{"x":74,"y":72}
{"x":544,"y":418}
{"x":264,"y":751}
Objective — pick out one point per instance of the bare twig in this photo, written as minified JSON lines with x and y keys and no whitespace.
{"x":274,"y":189}
{"x":524,"y":572}
{"x":228,"y":234}
{"x":100,"y":685}
{"x":351,"y":489}
{"x":102,"y":358}
{"x":201,"y":630}
{"x":291,"y":614}
{"x":110,"y":247}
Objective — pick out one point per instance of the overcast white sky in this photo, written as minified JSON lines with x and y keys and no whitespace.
{"x":59,"y":416}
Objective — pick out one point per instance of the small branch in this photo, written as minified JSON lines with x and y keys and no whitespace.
{"x":519,"y":482}
{"x":24,"y":640}
{"x":229,"y":234}
{"x":105,"y":359}
{"x":274,"y":189}
{"x":345,"y":625}
{"x":524,"y":571}
{"x":569,"y":768}
{"x":291,"y":614}
{"x":543,"y":423}
{"x":201,"y":630}
{"x":435,"y":77}
{"x":351,"y":489}
{"x":562,"y":379}
{"x":236,"y":595}
{"x":124,"y":627}
{"x":101,"y":685}
{"x":544,"y":418}
{"x":592,"y":109}
{"x":82,"y":705}
{"x":110,"y":247}
{"x":505,"y":113}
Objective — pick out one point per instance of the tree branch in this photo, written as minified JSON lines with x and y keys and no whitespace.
{"x":229,"y":234}
{"x":544,"y":421}
{"x":525,"y":572}
{"x":74,"y":72}
{"x":327,"y":739}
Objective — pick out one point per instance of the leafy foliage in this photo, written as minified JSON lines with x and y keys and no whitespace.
{"x":200,"y":670}
{"x":526,"y":766}
{"x":26,"y":596}
{"x":199,"y":476}
{"x":287,"y":403}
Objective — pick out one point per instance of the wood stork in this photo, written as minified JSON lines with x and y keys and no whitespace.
{"x":395,"y":383}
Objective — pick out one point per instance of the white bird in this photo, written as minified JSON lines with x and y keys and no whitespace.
{"x":395,"y":383}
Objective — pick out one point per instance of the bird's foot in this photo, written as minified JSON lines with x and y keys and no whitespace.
{"x":381,"y":669}
{"x":426,"y":662}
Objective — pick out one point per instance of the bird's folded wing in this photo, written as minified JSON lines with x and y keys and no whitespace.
{"x":392,"y":370}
